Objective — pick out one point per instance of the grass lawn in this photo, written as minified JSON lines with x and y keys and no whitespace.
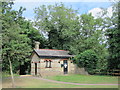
{"x":5,"y":74}
{"x":29,"y":82}
{"x":22,"y":82}
{"x":87,"y":79}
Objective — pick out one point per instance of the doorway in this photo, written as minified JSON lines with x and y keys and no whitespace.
{"x":65,"y":67}
{"x":35,"y":68}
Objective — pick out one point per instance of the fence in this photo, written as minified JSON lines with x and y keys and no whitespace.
{"x":114,"y":72}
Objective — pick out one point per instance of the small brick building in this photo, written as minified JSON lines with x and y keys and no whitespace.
{"x":47,"y":62}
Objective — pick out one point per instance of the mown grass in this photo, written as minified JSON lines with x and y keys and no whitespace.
{"x":29,"y":82}
{"x":86,"y":79}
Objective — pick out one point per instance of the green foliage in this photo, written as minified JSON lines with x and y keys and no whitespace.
{"x":32,"y":33}
{"x":6,"y":74}
{"x":114,"y":48}
{"x":82,"y":35}
{"x":89,"y":35}
{"x":15,"y":45}
{"x":87,"y":59}
{"x":66,"y":30}
{"x":59,"y":22}
{"x":113,"y":35}
{"x":18,"y":36}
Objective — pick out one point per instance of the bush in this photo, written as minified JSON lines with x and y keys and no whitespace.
{"x":87,"y":59}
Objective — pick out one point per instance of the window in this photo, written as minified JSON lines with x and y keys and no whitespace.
{"x":48,"y":63}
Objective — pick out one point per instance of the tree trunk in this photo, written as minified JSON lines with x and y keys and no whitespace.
{"x":13,"y":83}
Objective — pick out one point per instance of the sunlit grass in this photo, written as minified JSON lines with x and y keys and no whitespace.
{"x":23,"y":82}
{"x":87,"y":79}
{"x":30,"y":82}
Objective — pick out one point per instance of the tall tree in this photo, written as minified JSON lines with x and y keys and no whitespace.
{"x":89,"y":33}
{"x":15,"y":45}
{"x":59,"y":22}
{"x":90,"y":37}
{"x":113,"y":34}
{"x":18,"y":38}
{"x":67,"y":30}
{"x":32,"y":33}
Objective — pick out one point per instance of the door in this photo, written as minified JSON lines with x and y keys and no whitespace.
{"x":65,"y":68}
{"x":35,"y":68}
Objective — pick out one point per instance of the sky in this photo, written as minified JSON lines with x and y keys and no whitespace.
{"x":83,"y":6}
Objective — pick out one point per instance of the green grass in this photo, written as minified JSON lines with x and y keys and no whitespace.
{"x":86,"y":79}
{"x":29,"y":82}
{"x":23,"y":82}
{"x":6,"y":74}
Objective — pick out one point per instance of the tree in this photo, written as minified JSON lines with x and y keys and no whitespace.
{"x":114,"y":50}
{"x":87,"y":59}
{"x":113,"y":37}
{"x":32,"y":33}
{"x":91,"y":36}
{"x":18,"y":39}
{"x":15,"y":45}
{"x":59,"y":22}
{"x":66,"y":30}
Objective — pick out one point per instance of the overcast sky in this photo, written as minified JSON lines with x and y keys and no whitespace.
{"x":83,"y":6}
{"x":64,"y":0}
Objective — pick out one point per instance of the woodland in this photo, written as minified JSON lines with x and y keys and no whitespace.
{"x":95,"y":42}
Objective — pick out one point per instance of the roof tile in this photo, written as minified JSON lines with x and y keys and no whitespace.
{"x":52,"y":52}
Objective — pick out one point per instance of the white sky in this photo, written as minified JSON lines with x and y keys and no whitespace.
{"x":88,"y":6}
{"x":98,"y":12}
{"x":64,"y":0}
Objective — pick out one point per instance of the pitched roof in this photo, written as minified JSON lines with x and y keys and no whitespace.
{"x":52,"y":53}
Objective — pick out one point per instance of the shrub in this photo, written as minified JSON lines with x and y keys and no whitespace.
{"x":87,"y":59}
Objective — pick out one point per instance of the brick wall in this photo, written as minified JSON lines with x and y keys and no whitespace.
{"x":55,"y":68}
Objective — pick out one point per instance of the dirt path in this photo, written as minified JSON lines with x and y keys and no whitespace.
{"x":63,"y":82}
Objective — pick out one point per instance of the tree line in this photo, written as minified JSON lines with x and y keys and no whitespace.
{"x":91,"y":39}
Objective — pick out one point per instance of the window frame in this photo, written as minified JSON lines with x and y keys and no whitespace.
{"x":48,"y":63}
